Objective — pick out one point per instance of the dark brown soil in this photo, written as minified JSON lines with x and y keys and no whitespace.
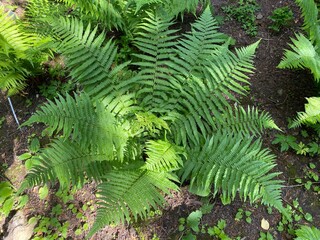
{"x":280,"y":92}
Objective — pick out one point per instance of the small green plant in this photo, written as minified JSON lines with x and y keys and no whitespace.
{"x":50,"y":227}
{"x":8,"y":199}
{"x":295,"y":215}
{"x":265,"y":236}
{"x":310,"y":180}
{"x":245,"y":13}
{"x":191,"y":227}
{"x":280,"y":17}
{"x":243,"y":214}
{"x":218,"y":230}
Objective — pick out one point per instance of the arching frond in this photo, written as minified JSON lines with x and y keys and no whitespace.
{"x":163,"y":156}
{"x":302,"y":55}
{"x":311,"y":22}
{"x":156,"y":42}
{"x":108,"y":12}
{"x":69,"y":163}
{"x":196,"y":47}
{"x":307,"y":233}
{"x":311,"y":114}
{"x":246,"y":122}
{"x":77,"y":118}
{"x":231,"y":164}
{"x":126,"y":192}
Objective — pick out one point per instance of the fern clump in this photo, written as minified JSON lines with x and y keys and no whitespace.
{"x":139,"y":133}
{"x":305,"y":51}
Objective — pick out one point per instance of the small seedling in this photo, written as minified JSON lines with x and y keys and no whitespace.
{"x":281,"y":17}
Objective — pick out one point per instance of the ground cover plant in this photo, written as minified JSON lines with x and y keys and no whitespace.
{"x":144,"y":123}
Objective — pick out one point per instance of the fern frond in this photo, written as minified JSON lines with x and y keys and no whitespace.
{"x":302,"y":55}
{"x":77,"y":118}
{"x":127,"y":193}
{"x":311,"y":114}
{"x":108,"y":12}
{"x":163,"y":156}
{"x":68,"y":162}
{"x":156,"y":43}
{"x":232,"y":164}
{"x":311,"y":22}
{"x":307,"y":233}
{"x":246,"y":122}
{"x":14,"y":43}
{"x":195,"y":48}
{"x":89,"y":58}
{"x":201,"y":101}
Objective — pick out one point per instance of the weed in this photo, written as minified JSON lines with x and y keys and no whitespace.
{"x":244,"y":13}
{"x":281,"y":17}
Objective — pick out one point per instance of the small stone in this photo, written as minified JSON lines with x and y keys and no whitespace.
{"x":265,"y":224}
{"x":259,"y":16}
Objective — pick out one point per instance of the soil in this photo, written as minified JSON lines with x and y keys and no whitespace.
{"x":282,"y":93}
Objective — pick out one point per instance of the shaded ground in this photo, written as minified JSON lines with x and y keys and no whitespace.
{"x":280,"y":92}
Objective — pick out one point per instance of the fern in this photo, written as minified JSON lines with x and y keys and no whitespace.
{"x":302,"y":55}
{"x":83,"y":122}
{"x":127,"y":192}
{"x":307,"y":233}
{"x":107,"y":12}
{"x":13,"y":46}
{"x":136,"y":128}
{"x":233,"y":165}
{"x":305,"y":50}
{"x":311,"y":114}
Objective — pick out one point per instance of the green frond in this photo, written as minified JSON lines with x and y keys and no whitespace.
{"x":14,"y":44}
{"x":107,"y":12}
{"x":88,"y":57}
{"x":311,"y":22}
{"x":155,"y":41}
{"x":302,"y":55}
{"x":311,"y":114}
{"x":231,"y":164}
{"x":195,"y":48}
{"x":68,"y":162}
{"x":246,"y":122}
{"x":82,"y":121}
{"x":201,"y":102}
{"x":163,"y":156}
{"x":141,"y":3}
{"x":307,"y":233}
{"x":147,"y":122}
{"x":125,"y":194}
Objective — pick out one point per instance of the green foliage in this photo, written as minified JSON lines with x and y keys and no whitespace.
{"x":304,"y":51}
{"x":244,"y":12}
{"x":280,"y":17}
{"x":307,"y":233}
{"x":8,"y":199}
{"x":294,"y":215}
{"x":132,"y":130}
{"x":311,"y":116}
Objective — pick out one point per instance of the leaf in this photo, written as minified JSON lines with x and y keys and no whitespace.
{"x":34,"y":145}
{"x":308,"y":217}
{"x":265,"y":224}
{"x":193,"y":220}
{"x":43,"y":192}
{"x":23,"y":200}
{"x":25,"y":156}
